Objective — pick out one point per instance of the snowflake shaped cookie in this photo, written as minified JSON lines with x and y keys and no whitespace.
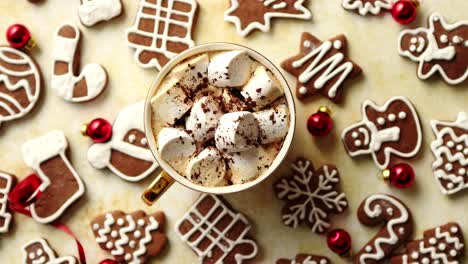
{"x":248,"y":15}
{"x":311,"y":195}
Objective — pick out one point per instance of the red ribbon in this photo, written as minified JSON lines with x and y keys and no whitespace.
{"x":27,"y":192}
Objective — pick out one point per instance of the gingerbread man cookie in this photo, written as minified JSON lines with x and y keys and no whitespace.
{"x":444,"y":244}
{"x":162,"y":29}
{"x":6,"y":183}
{"x":375,"y":210}
{"x":311,"y":195}
{"x":127,"y":154}
{"x":216,"y":233}
{"x":92,"y":12}
{"x":305,"y":259}
{"x":249,"y":15}
{"x":450,"y":149}
{"x":321,"y":67}
{"x":364,"y":7}
{"x":130,"y":238}
{"x":61,"y":185}
{"x":20,"y":84}
{"x":66,"y":56}
{"x":442,"y":48}
{"x":386,"y":132}
{"x":39,"y":252}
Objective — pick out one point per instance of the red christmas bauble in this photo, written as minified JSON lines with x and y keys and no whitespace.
{"x":108,"y":261}
{"x":18,"y":36}
{"x":400,"y":175}
{"x":99,"y":130}
{"x":320,"y":123}
{"x":404,"y":11}
{"x":339,"y":241}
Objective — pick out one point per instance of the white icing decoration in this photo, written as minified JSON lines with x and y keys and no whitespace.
{"x":432,"y":241}
{"x":332,"y":66}
{"x":128,"y":256}
{"x":414,"y":255}
{"x":147,"y":238}
{"x":39,"y":252}
{"x":106,"y":229}
{"x":307,"y":44}
{"x":448,"y":167}
{"x":358,"y":143}
{"x":137,"y":234}
{"x":92,"y":12}
{"x":365,"y":7}
{"x":109,"y":245}
{"x":453,"y":252}
{"x":355,"y":135}
{"x":129,"y":118}
{"x":131,"y":138}
{"x":32,"y":255}
{"x":414,"y":40}
{"x":391,"y":117}
{"x":120,"y":222}
{"x":141,"y":222}
{"x":4,"y":212}
{"x":165,"y":21}
{"x":454,"y":229}
{"x":114,"y":234}
{"x":41,"y":149}
{"x":303,"y":90}
{"x":303,"y":13}
{"x":450,"y":185}
{"x":337,"y":44}
{"x":401,"y":231}
{"x":368,"y":248}
{"x":32,"y":93}
{"x":44,"y":254}
{"x":381,"y":121}
{"x":124,"y":239}
{"x":64,"y":50}
{"x":95,"y":226}
{"x":412,"y":48}
{"x":198,"y":226}
{"x":432,"y":50}
{"x":378,"y":137}
{"x":457,"y":39}
{"x":450,"y":144}
{"x":459,"y":147}
{"x":402,"y":115}
{"x":442,"y":246}
{"x":390,"y":211}
{"x":132,"y":243}
{"x":144,"y":142}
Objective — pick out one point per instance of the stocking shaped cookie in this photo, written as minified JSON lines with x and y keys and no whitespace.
{"x":250,"y":15}
{"x":130,"y":238}
{"x":443,"y":244}
{"x":442,"y":48}
{"x":321,"y":67}
{"x":162,"y":29}
{"x":6,"y":183}
{"x":305,"y":259}
{"x":20,"y":84}
{"x":216,"y":233}
{"x":127,"y":153}
{"x":450,"y":149}
{"x":39,"y":252}
{"x":92,"y":12}
{"x":66,"y":56}
{"x":61,"y":185}
{"x":364,"y":7}
{"x":385,"y":132}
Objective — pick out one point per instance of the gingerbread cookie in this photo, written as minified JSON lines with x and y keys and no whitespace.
{"x":321,"y":67}
{"x":66,"y":56}
{"x":442,"y":48}
{"x":130,"y":238}
{"x":61,"y":185}
{"x":39,"y":252}
{"x":250,"y":15}
{"x":162,"y":29}
{"x":6,"y":183}
{"x":450,"y":149}
{"x":363,"y":7}
{"x":377,"y":209}
{"x":20,"y":84}
{"x":216,"y":233}
{"x":443,"y":244}
{"x":385,"y":132}
{"x":127,"y":154}
{"x":305,"y":259}
{"x":92,"y":12}
{"x":311,"y":195}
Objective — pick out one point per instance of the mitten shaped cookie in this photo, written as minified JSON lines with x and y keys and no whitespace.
{"x":92,"y":12}
{"x":61,"y":185}
{"x":39,"y":252}
{"x":127,"y":154}
{"x":131,"y":238}
{"x":6,"y":183}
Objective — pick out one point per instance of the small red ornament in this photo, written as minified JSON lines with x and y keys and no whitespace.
{"x":404,"y":11}
{"x":19,"y":37}
{"x":108,"y":261}
{"x":320,"y":123}
{"x":99,"y":130}
{"x":339,"y":241}
{"x":400,"y":175}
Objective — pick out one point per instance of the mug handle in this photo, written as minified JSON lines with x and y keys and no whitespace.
{"x":157,"y":188}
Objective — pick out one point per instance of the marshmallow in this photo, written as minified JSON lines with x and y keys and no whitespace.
{"x":174,"y":144}
{"x":273,"y":123}
{"x":230,"y":69}
{"x":207,"y":168}
{"x":193,"y":73}
{"x":248,"y":165}
{"x":203,"y":119}
{"x":237,"y":131}
{"x":262,"y":89}
{"x":170,"y":103}
{"x":231,"y":102}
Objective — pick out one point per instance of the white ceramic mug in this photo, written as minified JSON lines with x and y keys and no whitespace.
{"x":169,"y":175}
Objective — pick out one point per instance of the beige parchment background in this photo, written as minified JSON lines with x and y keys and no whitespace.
{"x":372,"y":44}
